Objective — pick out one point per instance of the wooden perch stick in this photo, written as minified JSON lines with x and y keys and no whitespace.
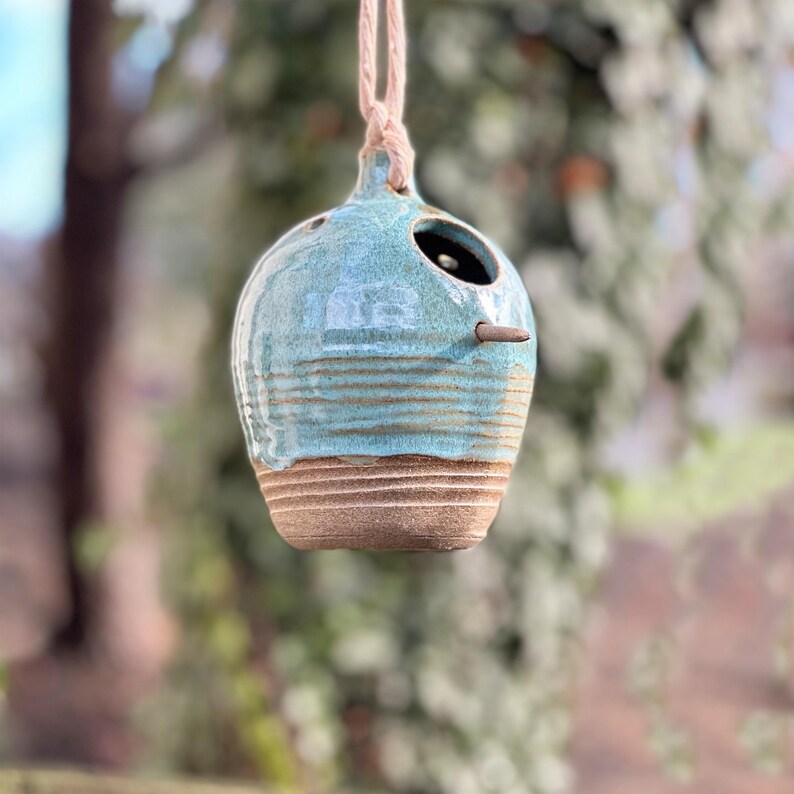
{"x":486,"y":332}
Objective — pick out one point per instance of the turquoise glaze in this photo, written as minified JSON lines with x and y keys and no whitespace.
{"x":350,"y":342}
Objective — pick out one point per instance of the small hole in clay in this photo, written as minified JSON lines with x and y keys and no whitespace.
{"x":316,"y":223}
{"x":456,"y":251}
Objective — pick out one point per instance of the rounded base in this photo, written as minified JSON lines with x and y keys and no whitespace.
{"x":400,"y":502}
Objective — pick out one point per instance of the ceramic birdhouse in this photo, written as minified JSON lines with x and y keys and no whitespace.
{"x":384,"y":357}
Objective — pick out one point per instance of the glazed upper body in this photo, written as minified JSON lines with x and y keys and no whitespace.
{"x":350,"y":342}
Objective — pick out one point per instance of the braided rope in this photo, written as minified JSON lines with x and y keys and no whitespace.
{"x":385,"y":128}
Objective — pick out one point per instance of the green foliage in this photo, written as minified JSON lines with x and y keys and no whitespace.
{"x":557,"y":128}
{"x":93,"y":545}
{"x":766,"y":737}
{"x":717,"y":476}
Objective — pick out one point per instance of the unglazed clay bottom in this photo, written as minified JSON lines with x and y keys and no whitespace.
{"x":399,"y":502}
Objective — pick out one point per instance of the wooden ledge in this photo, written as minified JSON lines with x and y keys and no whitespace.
{"x":59,"y":781}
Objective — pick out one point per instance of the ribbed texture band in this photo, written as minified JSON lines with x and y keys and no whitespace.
{"x":409,"y":502}
{"x":415,"y":405}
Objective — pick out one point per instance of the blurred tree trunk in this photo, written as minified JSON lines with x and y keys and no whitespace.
{"x":83,"y":280}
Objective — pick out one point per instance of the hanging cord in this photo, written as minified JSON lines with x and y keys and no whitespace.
{"x":385,"y":128}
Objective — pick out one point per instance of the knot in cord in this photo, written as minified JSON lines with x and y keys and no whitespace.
{"x":385,"y":128}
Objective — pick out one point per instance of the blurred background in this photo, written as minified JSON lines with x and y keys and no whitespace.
{"x":628,"y":625}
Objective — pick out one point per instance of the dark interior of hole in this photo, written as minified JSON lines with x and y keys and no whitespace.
{"x":444,"y":253}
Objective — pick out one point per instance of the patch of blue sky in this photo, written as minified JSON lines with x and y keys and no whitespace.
{"x":32,"y":115}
